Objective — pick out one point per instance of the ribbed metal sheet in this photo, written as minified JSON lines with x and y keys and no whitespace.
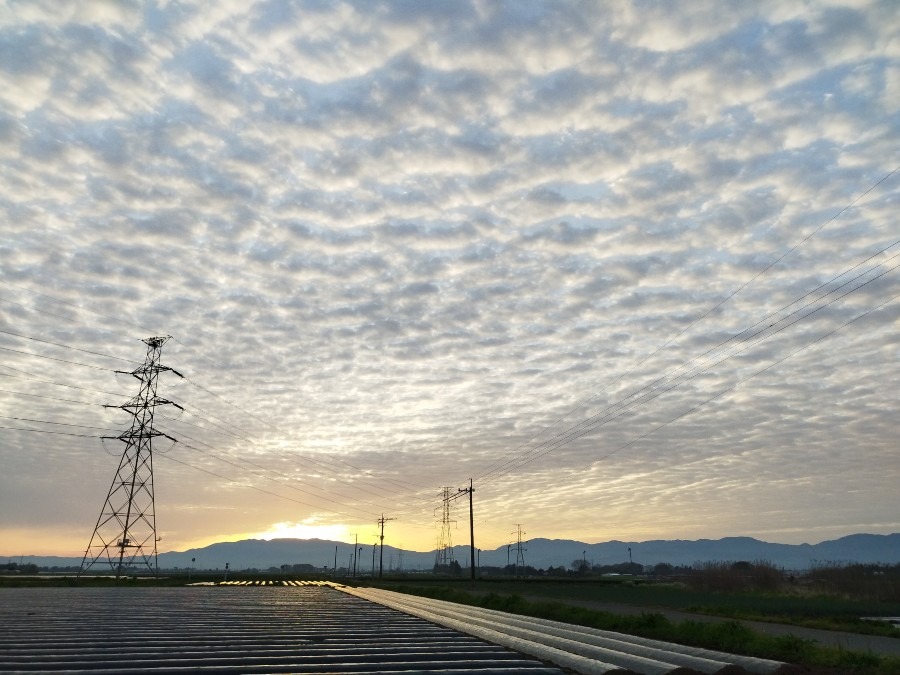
{"x":258,"y":629}
{"x":579,"y":649}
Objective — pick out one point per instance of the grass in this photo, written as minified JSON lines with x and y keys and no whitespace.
{"x":796,"y":607}
{"x":728,"y":636}
{"x":552,"y":600}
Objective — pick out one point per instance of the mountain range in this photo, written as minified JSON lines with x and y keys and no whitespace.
{"x":538,"y":553}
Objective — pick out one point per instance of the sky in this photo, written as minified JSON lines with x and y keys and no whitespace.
{"x":630,"y":268}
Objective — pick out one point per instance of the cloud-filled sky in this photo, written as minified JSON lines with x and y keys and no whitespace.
{"x":631,"y":267}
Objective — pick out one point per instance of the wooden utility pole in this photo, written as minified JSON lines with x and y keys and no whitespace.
{"x":470,"y":491}
{"x":472,"y":528}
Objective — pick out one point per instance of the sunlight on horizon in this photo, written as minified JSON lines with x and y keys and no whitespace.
{"x":304,"y":530}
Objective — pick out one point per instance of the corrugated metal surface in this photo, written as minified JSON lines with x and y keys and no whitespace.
{"x":583,"y":650}
{"x":261,"y":629}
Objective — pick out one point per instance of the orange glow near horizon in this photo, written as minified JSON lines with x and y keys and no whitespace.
{"x":306,"y":529}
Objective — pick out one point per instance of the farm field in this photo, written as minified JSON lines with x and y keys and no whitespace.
{"x":821,"y":632}
{"x":804,"y":608}
{"x":789,"y":624}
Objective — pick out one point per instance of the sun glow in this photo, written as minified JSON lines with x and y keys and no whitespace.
{"x":305,"y":529}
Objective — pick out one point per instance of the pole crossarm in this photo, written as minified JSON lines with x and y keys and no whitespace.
{"x":139,"y":404}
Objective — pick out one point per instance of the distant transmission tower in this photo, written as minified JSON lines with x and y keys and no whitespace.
{"x":444,"y":554}
{"x":520,"y":552}
{"x":381,"y":522}
{"x":125,"y":534}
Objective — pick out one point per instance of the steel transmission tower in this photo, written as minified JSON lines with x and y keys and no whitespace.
{"x":381,"y":522}
{"x":520,"y":552}
{"x":444,"y":553}
{"x":125,"y":534}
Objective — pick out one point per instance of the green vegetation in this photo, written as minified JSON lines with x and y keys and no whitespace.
{"x":729,"y":636}
{"x":800,"y":607}
{"x":832,"y":598}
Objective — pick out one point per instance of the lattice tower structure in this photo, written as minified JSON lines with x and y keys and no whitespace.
{"x":125,"y":536}
{"x":444,"y":551}
{"x":520,"y":550}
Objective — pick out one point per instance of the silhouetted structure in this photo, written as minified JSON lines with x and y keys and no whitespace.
{"x":444,"y":553}
{"x":125,"y":533}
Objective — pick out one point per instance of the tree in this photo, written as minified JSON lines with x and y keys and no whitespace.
{"x":663,"y":569}
{"x":580,"y":565}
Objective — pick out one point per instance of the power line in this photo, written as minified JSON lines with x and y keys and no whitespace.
{"x":270,"y":425}
{"x":45,"y":431}
{"x":702,"y":317}
{"x":268,"y":470}
{"x":738,"y":383}
{"x":40,"y":378}
{"x":78,"y":349}
{"x":63,"y":424}
{"x":497,"y":466}
{"x":301,"y":460}
{"x":724,"y":391}
{"x":603,"y":417}
{"x":117,"y":319}
{"x":42,"y":311}
{"x":287,"y":476}
{"x":52,"y":398}
{"x":356,"y":468}
{"x":318,"y":507}
{"x":125,"y":533}
{"x":274,"y":480}
{"x":47,"y":381}
{"x":53,"y":358}
{"x":318,"y":461}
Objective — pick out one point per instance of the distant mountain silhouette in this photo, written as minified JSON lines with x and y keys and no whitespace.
{"x":539,"y":553}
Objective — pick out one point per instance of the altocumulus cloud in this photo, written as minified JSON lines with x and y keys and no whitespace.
{"x":405,"y":244}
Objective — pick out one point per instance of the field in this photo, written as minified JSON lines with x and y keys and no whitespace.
{"x":602,"y":603}
{"x":803,"y":607}
{"x":644,"y":607}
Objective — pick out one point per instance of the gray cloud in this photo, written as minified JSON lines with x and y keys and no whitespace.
{"x":403,"y":239}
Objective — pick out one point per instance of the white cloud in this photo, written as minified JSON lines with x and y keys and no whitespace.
{"x":412,"y":236}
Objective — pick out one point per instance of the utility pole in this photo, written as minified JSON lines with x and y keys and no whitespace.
{"x":470,"y":491}
{"x":125,"y":533}
{"x":459,"y":492}
{"x":381,"y":522}
{"x":355,"y":544}
{"x":472,"y":527}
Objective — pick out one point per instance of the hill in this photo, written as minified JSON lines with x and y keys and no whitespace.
{"x":539,"y":553}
